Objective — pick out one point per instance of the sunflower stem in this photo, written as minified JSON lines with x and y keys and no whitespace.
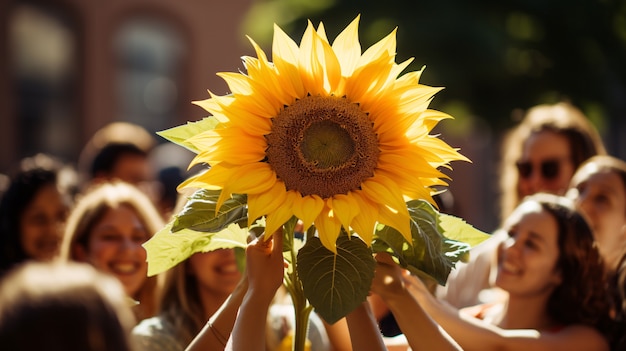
{"x":302,"y":308}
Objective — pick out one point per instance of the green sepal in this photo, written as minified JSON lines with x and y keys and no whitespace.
{"x":166,"y":249}
{"x":180,"y":134}
{"x":199,"y":212}
{"x":335,"y":284}
{"x":433,"y":251}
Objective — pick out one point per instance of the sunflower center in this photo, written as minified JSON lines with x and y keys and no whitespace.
{"x":325,"y":145}
{"x":322,"y":146}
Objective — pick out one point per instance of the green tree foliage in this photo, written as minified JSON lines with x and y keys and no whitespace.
{"x":493,"y":56}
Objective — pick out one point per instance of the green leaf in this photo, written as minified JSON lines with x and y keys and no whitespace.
{"x":435,"y":248}
{"x":457,"y":229}
{"x":199,"y":212}
{"x":335,"y":284}
{"x":180,"y":134}
{"x":288,"y":232}
{"x":166,"y":249}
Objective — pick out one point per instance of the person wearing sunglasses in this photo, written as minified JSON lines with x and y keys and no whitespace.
{"x":540,"y":154}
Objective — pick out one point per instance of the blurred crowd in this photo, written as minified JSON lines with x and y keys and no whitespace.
{"x":74,"y":273}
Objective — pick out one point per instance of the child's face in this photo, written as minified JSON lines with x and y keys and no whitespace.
{"x":601,"y":198}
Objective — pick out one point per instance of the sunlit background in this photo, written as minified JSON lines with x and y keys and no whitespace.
{"x":69,"y":67}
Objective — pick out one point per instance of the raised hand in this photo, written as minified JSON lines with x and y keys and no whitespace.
{"x":265,"y":265}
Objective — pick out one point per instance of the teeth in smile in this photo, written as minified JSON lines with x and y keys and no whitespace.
{"x":510,"y":268}
{"x":125,"y":267}
{"x":231,"y":268}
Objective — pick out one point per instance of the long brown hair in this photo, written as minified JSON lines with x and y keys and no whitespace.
{"x":618,"y":288}
{"x":180,"y":303}
{"x":581,"y":298}
{"x":561,"y":118}
{"x":92,"y":207}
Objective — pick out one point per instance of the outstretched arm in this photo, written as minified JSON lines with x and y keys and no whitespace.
{"x":421,"y":331}
{"x":265,"y":270}
{"x":473,"y":334}
{"x":364,"y":333}
{"x":215,"y":333}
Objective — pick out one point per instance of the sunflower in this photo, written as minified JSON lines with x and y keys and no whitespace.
{"x":325,"y":133}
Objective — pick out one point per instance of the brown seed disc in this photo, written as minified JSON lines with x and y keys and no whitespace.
{"x":322,"y":145}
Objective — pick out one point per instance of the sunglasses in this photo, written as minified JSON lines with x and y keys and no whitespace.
{"x":549,"y":168}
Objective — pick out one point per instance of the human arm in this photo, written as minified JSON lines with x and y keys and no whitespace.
{"x":338,"y":335}
{"x":357,"y":331}
{"x":265,"y":270}
{"x":421,"y":331}
{"x":473,"y":334}
{"x":364,"y":333}
{"x":215,"y":333}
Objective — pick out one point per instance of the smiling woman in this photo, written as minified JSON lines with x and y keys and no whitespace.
{"x":193,"y":291}
{"x":554,"y":278}
{"x":599,"y":189}
{"x":32,"y":213}
{"x":106,"y":229}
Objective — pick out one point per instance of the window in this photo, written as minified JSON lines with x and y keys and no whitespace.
{"x":149,"y":56}
{"x":42,"y":57}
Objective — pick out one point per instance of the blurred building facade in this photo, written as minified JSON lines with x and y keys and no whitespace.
{"x":69,"y":67}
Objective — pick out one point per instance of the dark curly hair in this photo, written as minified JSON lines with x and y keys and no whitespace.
{"x":33,"y":174}
{"x":23,"y":188}
{"x":582,"y":297}
{"x":618,"y":295}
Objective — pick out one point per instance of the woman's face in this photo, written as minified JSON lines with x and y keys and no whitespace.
{"x":527,"y":260}
{"x":216,"y":271}
{"x":545,"y":164}
{"x":601,"y":198}
{"x":41,"y":224}
{"x":114,"y":247}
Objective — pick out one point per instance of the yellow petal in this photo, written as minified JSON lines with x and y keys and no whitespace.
{"x":432,"y":117}
{"x":282,"y":214}
{"x":345,"y":208}
{"x":364,"y":222}
{"x":328,"y":228}
{"x":265,"y":80}
{"x":246,"y":118}
{"x":385,"y":47}
{"x":398,"y":220}
{"x":439,"y":151}
{"x":397,"y":69}
{"x":332,"y":68}
{"x":222,"y":145}
{"x":266,"y":202}
{"x":369,"y":79}
{"x":348,"y":48}
{"x":252,"y":178}
{"x":380,"y":189}
{"x":285,"y":57}
{"x":307,"y":208}
{"x":395,"y":161}
{"x":240,"y":86}
{"x":198,"y":182}
{"x":311,"y":69}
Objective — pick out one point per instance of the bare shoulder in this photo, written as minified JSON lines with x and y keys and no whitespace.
{"x":580,"y":337}
{"x":571,"y":338}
